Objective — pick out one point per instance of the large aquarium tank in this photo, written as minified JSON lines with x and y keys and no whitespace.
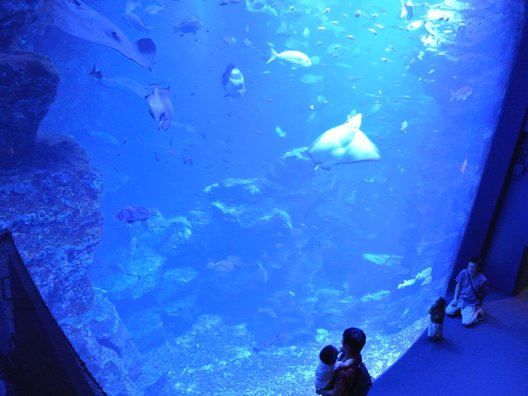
{"x":218,"y":188}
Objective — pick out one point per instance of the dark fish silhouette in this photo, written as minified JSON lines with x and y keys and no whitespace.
{"x":79,"y":20}
{"x":131,"y":214}
{"x":191,"y":25}
{"x":107,"y":343}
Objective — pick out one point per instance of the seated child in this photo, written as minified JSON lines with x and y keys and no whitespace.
{"x":328,"y":364}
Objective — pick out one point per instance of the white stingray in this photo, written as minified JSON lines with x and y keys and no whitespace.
{"x":343,"y":144}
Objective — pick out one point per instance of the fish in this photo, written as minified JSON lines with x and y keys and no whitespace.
{"x":233,"y":81}
{"x":383,"y":259}
{"x":108,"y":343}
{"x":131,"y":5}
{"x":295,"y":57}
{"x":406,"y":283}
{"x":343,"y":144}
{"x":425,"y":273}
{"x":153,"y":9}
{"x":158,"y":99}
{"x":414,"y":25}
{"x":407,"y":9}
{"x":461,"y":93}
{"x":311,"y":79}
{"x":135,"y":21}
{"x":426,"y":281}
{"x":160,"y":107}
{"x":280,"y":132}
{"x":376,"y":296}
{"x":190,"y":25}
{"x":131,"y":214}
{"x":106,"y":137}
{"x":77,"y":19}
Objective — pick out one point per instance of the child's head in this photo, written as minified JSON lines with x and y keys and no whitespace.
{"x":328,"y":354}
{"x":441,"y":302}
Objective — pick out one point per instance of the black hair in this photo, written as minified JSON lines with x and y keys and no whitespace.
{"x":328,"y":354}
{"x":475,"y":260}
{"x":355,"y":339}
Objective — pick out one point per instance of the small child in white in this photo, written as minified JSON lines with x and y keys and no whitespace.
{"x":328,"y":364}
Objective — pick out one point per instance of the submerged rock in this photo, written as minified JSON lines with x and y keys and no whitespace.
{"x":18,"y":19}
{"x":51,"y":204}
{"x":28,"y":83}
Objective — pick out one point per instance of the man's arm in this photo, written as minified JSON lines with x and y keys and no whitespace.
{"x":457,"y":292}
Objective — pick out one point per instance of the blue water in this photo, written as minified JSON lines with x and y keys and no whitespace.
{"x":252,"y":261}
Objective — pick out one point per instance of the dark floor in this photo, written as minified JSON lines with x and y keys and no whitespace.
{"x":488,"y":359}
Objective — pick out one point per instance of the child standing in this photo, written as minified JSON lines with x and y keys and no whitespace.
{"x":435,"y":330}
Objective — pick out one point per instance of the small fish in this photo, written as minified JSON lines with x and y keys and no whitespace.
{"x":280,"y":132}
{"x":295,"y":57}
{"x":404,"y":126}
{"x":377,"y":296}
{"x":106,"y":137}
{"x":383,"y":259}
{"x":108,"y":343}
{"x":414,"y":25}
{"x":407,"y":9}
{"x":430,"y":28}
{"x":425,"y":273}
{"x":461,"y":93}
{"x":426,"y":281}
{"x":464,"y":166}
{"x":135,"y":21}
{"x":406,"y":283}
{"x":131,"y":214}
{"x":191,"y":25}
{"x":233,"y":81}
{"x":97,"y":74}
{"x":311,"y":79}
{"x":160,"y":107}
{"x":153,"y":9}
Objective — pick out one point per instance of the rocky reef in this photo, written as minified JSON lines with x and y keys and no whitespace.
{"x":50,"y":199}
{"x":28,"y":82}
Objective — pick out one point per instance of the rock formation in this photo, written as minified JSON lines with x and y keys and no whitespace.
{"x":50,"y":200}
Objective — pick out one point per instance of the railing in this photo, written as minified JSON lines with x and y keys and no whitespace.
{"x":36,"y":358}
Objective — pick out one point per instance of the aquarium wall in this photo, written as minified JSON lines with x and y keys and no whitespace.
{"x":219,"y":188}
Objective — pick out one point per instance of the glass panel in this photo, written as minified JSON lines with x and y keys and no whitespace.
{"x":285,"y":170}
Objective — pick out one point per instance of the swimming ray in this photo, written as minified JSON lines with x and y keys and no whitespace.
{"x":76,"y":18}
{"x":343,"y":144}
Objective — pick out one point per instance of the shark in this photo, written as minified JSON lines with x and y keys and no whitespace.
{"x":343,"y":144}
{"x":77,"y":19}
